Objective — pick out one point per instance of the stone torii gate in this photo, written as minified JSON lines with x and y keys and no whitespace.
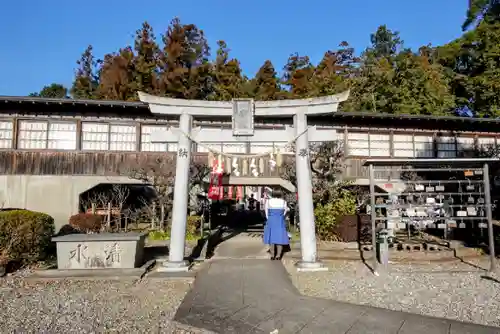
{"x":242,"y":113}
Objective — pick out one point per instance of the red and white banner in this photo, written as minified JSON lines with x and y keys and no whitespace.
{"x":216,"y":190}
{"x":239,"y":193}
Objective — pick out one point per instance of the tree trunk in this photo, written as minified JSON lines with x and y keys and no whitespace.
{"x":109,"y":215}
{"x":162,"y":217}
{"x":153,"y":218}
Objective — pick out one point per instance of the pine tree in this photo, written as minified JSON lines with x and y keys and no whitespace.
{"x":54,"y":91}
{"x":384,"y":43}
{"x":117,"y":76}
{"x":146,"y":59}
{"x":336,"y":71}
{"x":227,"y":75}
{"x":481,"y":11}
{"x":185,"y":67}
{"x":396,"y":80}
{"x":421,"y":86}
{"x":297,"y":75}
{"x":473,"y":67}
{"x":86,"y":80}
{"x":265,"y":85}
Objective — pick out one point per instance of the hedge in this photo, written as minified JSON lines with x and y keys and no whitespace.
{"x":25,"y":236}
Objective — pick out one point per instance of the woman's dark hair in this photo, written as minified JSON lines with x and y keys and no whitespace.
{"x":277,"y":194}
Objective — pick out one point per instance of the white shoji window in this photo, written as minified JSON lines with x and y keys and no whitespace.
{"x":358,"y":144}
{"x":465,"y":144}
{"x":261,"y":147}
{"x":62,"y":136}
{"x":403,"y":146}
{"x":486,"y":142}
{"x":446,"y":147}
{"x":122,"y":138}
{"x":95,"y":136}
{"x":6,"y":134}
{"x":234,"y":148}
{"x":173,"y":147}
{"x":283,"y":148}
{"x":204,"y":147}
{"x":146,"y":144}
{"x":424,"y":146}
{"x":32,"y":135}
{"x":380,"y":145}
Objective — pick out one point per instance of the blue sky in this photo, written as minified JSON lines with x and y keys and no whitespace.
{"x":41,"y":40}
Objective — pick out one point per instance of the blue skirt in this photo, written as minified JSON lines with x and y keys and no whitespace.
{"x":275,"y":232}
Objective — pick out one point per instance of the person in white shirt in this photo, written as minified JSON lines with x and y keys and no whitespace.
{"x":275,"y":233}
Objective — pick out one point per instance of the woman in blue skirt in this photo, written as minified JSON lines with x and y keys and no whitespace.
{"x":275,"y":233}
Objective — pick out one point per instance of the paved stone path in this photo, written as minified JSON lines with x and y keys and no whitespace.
{"x":257,"y":296}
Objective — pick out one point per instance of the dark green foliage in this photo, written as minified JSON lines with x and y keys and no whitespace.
{"x":227,"y":75}
{"x":481,"y":11}
{"x":473,"y":66}
{"x":86,"y":79}
{"x":54,"y":91}
{"x":265,"y":85}
{"x":25,"y":236}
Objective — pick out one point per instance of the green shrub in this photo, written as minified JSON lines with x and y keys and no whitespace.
{"x":25,"y":236}
{"x":159,"y":235}
{"x":193,"y":224}
{"x":86,"y":222}
{"x":326,"y":215}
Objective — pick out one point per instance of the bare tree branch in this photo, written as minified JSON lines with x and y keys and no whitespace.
{"x":120,"y":194}
{"x":160,"y":175}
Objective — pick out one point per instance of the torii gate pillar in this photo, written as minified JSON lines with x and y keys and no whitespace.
{"x":305,"y":202}
{"x":242,"y":113}
{"x":181,"y":198}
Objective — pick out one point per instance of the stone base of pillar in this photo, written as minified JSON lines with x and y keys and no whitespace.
{"x":310,"y":266}
{"x":174,"y":267}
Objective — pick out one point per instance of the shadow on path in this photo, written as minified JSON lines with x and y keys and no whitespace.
{"x":257,"y":296}
{"x":239,"y":222}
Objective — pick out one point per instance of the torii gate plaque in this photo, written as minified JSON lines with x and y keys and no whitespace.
{"x":242,"y":112}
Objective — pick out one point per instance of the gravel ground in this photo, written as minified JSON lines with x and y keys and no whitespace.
{"x":447,"y":290}
{"x":90,"y":306}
